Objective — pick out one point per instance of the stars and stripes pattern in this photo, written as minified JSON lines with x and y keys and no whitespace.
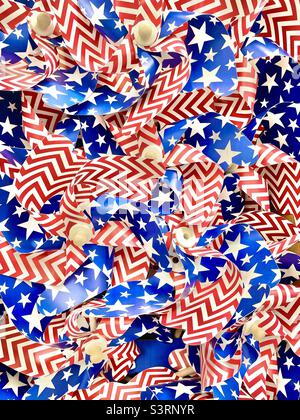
{"x":178,"y":164}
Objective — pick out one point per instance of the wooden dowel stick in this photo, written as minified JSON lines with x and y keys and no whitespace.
{"x":93,"y":323}
{"x":295,"y":248}
{"x":177,"y":333}
{"x":186,"y":372}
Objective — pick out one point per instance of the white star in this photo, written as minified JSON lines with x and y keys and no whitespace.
{"x":209,"y":76}
{"x":225,"y":343}
{"x":98,"y":14}
{"x":198,"y":128}
{"x":76,"y":77}
{"x":142,"y":224}
{"x":164,"y":278}
{"x":200,"y":37}
{"x":16,"y":243}
{"x":91,"y":96}
{"x":3,"y":288}
{"x":281,"y":139}
{"x":118,"y":25}
{"x":14,"y":383}
{"x":172,"y":26}
{"x":148,"y":298}
{"x":228,"y":42}
{"x":80,"y":278}
{"x":67,"y":374}
{"x":246,"y":259}
{"x":225,"y":194}
{"x":2,"y":46}
{"x":163,"y":198}
{"x":297,"y":386}
{"x":3,"y":227}
{"x":18,"y":33}
{"x":157,"y":391}
{"x":270,"y":82}
{"x":219,"y":387}
{"x":288,"y":86}
{"x":264,"y":103}
{"x":227,"y":154}
{"x":291,"y":272}
{"x":34,"y":319}
{"x":172,"y":141}
{"x":24,"y":299}
{"x":235,"y":247}
{"x":247,"y":277}
{"x":110,"y":99}
{"x":148,"y":245}
{"x":281,"y":383}
{"x":274,"y":119}
{"x":11,"y":189}
{"x":101,"y":140}
{"x":297,"y":107}
{"x":84,"y":126}
{"x":44,"y":382}
{"x":31,"y":226}
{"x":144,"y":283}
{"x":7,"y":127}
{"x":9,"y":311}
{"x":143,"y":331}
{"x":210,"y":55}
{"x":107,"y":272}
{"x":234,"y":394}
{"x":230,"y":65}
{"x":68,"y":87}
{"x":289,"y":363}
{"x":118,"y":306}
{"x":181,"y":389}
{"x":284,"y":64}
{"x":247,"y":362}
{"x":249,"y":55}
{"x":52,"y":91}
{"x":93,"y":254}
{"x":70,"y":303}
{"x":293,"y":124}
{"x":215,"y":136}
{"x":268,"y":259}
{"x":214,"y":20}
{"x":125,"y":294}
{"x":12,"y":107}
{"x":95,"y":268}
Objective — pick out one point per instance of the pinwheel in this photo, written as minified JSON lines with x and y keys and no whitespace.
{"x":150,"y":200}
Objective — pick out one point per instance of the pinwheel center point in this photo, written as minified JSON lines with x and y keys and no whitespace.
{"x":186,"y":237}
{"x":81,"y":234}
{"x":252,"y":327}
{"x":95,"y":349}
{"x":152,"y":152}
{"x":232,"y":169}
{"x":145,"y":33}
{"x":42,"y":24}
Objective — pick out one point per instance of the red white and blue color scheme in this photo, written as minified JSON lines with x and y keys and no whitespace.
{"x":149,"y":200}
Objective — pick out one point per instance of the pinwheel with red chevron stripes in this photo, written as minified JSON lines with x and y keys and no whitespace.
{"x":150,"y":200}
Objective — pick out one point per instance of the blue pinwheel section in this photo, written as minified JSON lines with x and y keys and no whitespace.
{"x":90,"y":280}
{"x":209,"y":46}
{"x":103,"y":16}
{"x":66,"y":88}
{"x":19,"y":227}
{"x":221,"y":141}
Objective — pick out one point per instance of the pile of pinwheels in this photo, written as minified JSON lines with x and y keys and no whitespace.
{"x":149,"y":200}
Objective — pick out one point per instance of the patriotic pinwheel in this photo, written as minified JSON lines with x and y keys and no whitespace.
{"x":149,"y":200}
